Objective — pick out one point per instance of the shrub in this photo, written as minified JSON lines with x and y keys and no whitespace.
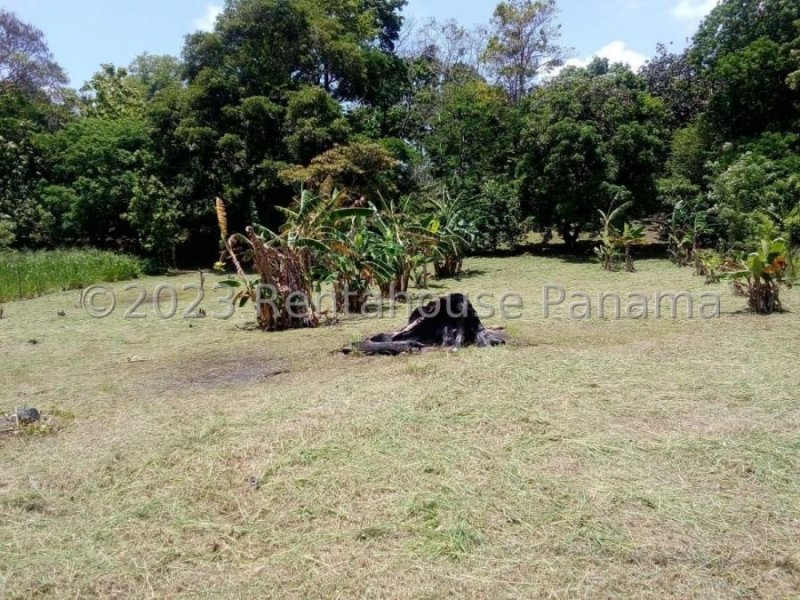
{"x":762,"y":274}
{"x":616,"y":245}
{"x":498,"y":216}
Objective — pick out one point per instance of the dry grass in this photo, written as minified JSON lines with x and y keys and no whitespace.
{"x":641,"y":459}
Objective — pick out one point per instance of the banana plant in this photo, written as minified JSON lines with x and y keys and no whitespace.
{"x":608,"y":250}
{"x":631,"y":236}
{"x":762,"y":274}
{"x":407,"y":241}
{"x":454,"y":232}
{"x":687,"y":227}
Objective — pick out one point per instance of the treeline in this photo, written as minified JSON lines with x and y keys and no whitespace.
{"x":338,"y":95}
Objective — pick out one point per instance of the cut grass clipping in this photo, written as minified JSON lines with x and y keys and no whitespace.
{"x":585,"y":459}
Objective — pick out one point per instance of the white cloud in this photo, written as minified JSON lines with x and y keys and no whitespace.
{"x":207,"y":21}
{"x":693,"y":10}
{"x":616,"y":52}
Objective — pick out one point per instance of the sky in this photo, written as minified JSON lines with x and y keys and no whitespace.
{"x":83,"y":34}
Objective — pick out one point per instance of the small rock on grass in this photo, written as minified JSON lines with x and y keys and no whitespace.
{"x":27,"y":416}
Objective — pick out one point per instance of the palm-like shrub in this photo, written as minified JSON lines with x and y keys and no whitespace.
{"x":454,"y":232}
{"x":615,"y":245}
{"x":762,"y":274}
{"x":632,"y":235}
{"x":688,"y":224}
{"x":352,"y":263}
{"x":608,"y":249}
{"x":407,"y":242}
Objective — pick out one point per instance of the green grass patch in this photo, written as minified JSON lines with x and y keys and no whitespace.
{"x":25,"y":275}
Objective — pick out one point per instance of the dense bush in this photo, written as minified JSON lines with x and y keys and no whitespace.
{"x":497,"y":215}
{"x":758,"y":191}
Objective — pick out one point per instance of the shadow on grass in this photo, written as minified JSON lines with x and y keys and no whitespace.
{"x":465,"y":274}
{"x":582,"y":253}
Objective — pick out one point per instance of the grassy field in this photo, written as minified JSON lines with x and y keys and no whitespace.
{"x":586,"y":459}
{"x":31,"y":274}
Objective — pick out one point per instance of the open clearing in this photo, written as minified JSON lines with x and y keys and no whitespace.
{"x":599,"y":458}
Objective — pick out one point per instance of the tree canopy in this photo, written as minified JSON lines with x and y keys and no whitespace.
{"x":323,"y":95}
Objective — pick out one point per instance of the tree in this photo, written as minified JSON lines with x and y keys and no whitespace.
{"x":757,"y":189}
{"x":30,"y":81}
{"x":751,"y":92}
{"x":359,"y":170}
{"x":523,"y":44}
{"x":91,"y":169}
{"x":449,"y":50}
{"x":677,"y":82}
{"x":743,"y":50}
{"x":466,"y":132}
{"x":589,"y":139}
{"x":26,"y":62}
{"x":314,"y":123}
{"x":735,"y":24}
{"x":265,"y":90}
{"x":112,"y":94}
{"x":344,"y":36}
{"x":156,"y":73}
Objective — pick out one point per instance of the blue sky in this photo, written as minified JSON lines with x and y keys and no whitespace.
{"x":86,"y":33}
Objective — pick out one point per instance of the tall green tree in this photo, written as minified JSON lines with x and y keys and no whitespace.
{"x":744,"y":51}
{"x":33,"y":101}
{"x":591,"y":138}
{"x":523,"y":44}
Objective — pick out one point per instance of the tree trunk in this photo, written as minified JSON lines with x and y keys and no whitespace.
{"x":569,"y":236}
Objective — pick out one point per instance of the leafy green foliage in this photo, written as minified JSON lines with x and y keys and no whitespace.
{"x":454,"y":232}
{"x":590,"y":138}
{"x":761,"y":182}
{"x":744,"y":50}
{"x":92,"y":165}
{"x":497,"y":216}
{"x":314,"y":124}
{"x":764,"y":273}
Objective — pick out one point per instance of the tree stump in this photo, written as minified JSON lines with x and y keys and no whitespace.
{"x":449,"y":322}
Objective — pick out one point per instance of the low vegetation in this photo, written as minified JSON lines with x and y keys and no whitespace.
{"x":358,"y":250}
{"x":761,"y":275}
{"x":31,"y":274}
